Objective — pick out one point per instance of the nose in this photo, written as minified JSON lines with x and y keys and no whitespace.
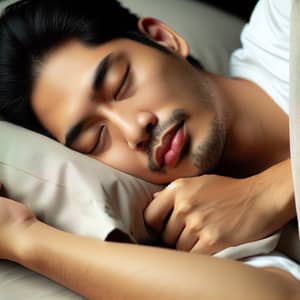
{"x":136,"y":127}
{"x":141,"y":130}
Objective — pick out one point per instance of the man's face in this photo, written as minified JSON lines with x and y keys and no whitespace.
{"x":130,"y":106}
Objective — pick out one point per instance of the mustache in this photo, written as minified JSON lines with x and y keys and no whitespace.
{"x":177,"y":116}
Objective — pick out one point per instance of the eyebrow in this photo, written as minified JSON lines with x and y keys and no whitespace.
{"x":74,"y":132}
{"x":98,"y":80}
{"x":101,"y":72}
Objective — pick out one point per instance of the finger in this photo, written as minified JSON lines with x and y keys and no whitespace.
{"x":155,"y":195}
{"x":173,"y":229}
{"x":202,"y":248}
{"x":207,"y":246}
{"x":159,"y":209}
{"x":187,"y":240}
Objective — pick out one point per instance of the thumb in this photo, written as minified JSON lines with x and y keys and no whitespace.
{"x":157,"y":211}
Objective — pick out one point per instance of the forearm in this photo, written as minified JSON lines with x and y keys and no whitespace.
{"x":282,"y":198}
{"x":103,"y":270}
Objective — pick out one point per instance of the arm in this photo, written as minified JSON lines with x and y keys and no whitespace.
{"x":198,"y":208}
{"x":103,"y":270}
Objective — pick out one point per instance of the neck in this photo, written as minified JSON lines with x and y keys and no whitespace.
{"x":257,"y":134}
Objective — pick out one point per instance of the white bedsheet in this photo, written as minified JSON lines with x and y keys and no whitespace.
{"x":18,"y":283}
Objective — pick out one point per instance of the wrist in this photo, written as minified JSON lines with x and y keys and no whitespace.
{"x":23,"y":244}
{"x":15,"y":218}
{"x":279,"y":183}
{"x":37,"y":242}
{"x":284,"y":195}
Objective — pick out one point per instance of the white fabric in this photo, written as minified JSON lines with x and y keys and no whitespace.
{"x":295,"y":102}
{"x":276,"y":260}
{"x":264,"y":58}
{"x":263,"y":246}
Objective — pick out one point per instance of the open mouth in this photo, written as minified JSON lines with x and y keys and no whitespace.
{"x":169,"y":150}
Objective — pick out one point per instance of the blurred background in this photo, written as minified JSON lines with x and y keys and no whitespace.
{"x":241,"y":9}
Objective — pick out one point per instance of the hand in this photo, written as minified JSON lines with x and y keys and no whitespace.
{"x":209,"y":213}
{"x":14,"y":218}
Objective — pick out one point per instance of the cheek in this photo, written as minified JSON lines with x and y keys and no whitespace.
{"x":155,"y":84}
{"x":157,"y":96}
{"x":164,"y":95}
{"x":120,"y":157}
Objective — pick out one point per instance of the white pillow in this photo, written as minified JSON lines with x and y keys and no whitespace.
{"x":79,"y":194}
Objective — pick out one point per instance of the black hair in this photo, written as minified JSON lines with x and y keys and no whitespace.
{"x":30,"y":29}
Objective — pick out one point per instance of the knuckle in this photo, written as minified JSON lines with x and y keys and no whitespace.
{"x":211,"y":237}
{"x":185,"y":201}
{"x":198,"y":250}
{"x":178,"y":183}
{"x":195,"y":225}
{"x":182,"y":208}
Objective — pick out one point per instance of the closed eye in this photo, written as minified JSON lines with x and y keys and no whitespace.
{"x":122,"y":87}
{"x":98,"y":139}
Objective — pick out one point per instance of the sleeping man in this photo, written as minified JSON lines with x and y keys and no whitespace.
{"x":125,"y":91}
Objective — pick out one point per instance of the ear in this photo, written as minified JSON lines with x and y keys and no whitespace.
{"x":164,"y":35}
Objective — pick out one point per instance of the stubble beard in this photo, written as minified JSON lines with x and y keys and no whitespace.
{"x":207,"y":156}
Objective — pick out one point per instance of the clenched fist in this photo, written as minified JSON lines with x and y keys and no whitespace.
{"x":209,"y":213}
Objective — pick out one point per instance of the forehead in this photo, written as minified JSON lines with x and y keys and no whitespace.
{"x":63,"y":66}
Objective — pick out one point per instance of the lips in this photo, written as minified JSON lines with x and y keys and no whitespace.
{"x":169,"y":149}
